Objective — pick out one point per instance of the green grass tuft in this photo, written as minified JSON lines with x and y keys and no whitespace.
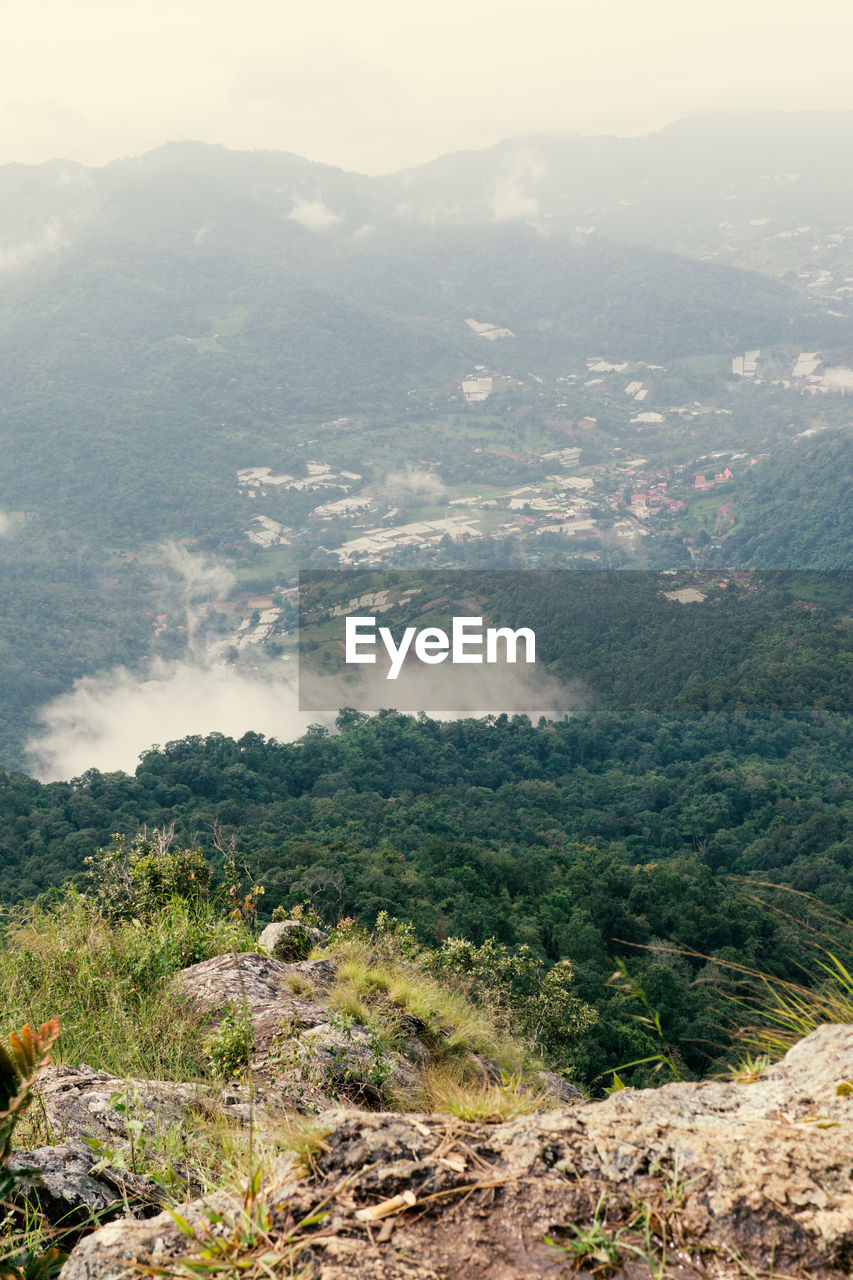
{"x":109,"y":983}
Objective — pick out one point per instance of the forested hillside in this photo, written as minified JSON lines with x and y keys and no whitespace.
{"x":184,"y":310}
{"x":770,"y":641}
{"x":177,"y":324}
{"x":800,"y":509}
{"x":577,"y":838}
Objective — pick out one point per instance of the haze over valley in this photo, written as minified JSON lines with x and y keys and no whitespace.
{"x":579,"y":352}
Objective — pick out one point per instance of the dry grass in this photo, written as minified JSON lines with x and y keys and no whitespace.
{"x":480,"y":1100}
{"x":378,"y":991}
{"x":299,"y":986}
{"x":305,"y":1139}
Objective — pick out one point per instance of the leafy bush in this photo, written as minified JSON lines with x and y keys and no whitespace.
{"x":302,"y":912}
{"x":144,"y":877}
{"x":229,"y":1046}
{"x":533,"y":999}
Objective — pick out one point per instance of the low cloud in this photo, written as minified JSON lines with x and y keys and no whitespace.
{"x":199,"y":576}
{"x":512,"y":200}
{"x":189,"y":584}
{"x":839,"y":379}
{"x":447,"y":692}
{"x":107,"y":721}
{"x":49,"y":240}
{"x":412,"y":482}
{"x":511,"y":204}
{"x":315,"y":215}
{"x":5,"y":524}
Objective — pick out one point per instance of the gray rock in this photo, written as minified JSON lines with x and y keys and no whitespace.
{"x":490,"y":1070}
{"x":349,"y":1062}
{"x":744,"y":1177}
{"x":319,"y":973}
{"x":261,"y":986}
{"x":298,"y":1048}
{"x":559,"y":1089}
{"x":72,"y":1184}
{"x":111,"y":1252}
{"x":291,"y":940}
{"x":243,"y":979}
{"x":79,"y":1102}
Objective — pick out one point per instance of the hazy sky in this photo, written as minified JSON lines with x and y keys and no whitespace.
{"x":380,"y":84}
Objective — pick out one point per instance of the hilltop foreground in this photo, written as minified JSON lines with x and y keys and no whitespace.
{"x":211,"y":1096}
{"x":710,"y":1179}
{"x":487,"y":1166}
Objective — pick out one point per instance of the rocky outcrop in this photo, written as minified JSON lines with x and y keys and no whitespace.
{"x":78,"y":1102}
{"x":312,"y":1055}
{"x":102,"y":1151}
{"x":291,"y":940}
{"x":689,"y":1180}
{"x":72,"y":1186}
{"x":557,"y":1089}
{"x":265,"y":987}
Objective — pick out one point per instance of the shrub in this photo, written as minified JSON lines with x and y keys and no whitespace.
{"x":143,"y":877}
{"x":228,"y":1048}
{"x":532,"y":999}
